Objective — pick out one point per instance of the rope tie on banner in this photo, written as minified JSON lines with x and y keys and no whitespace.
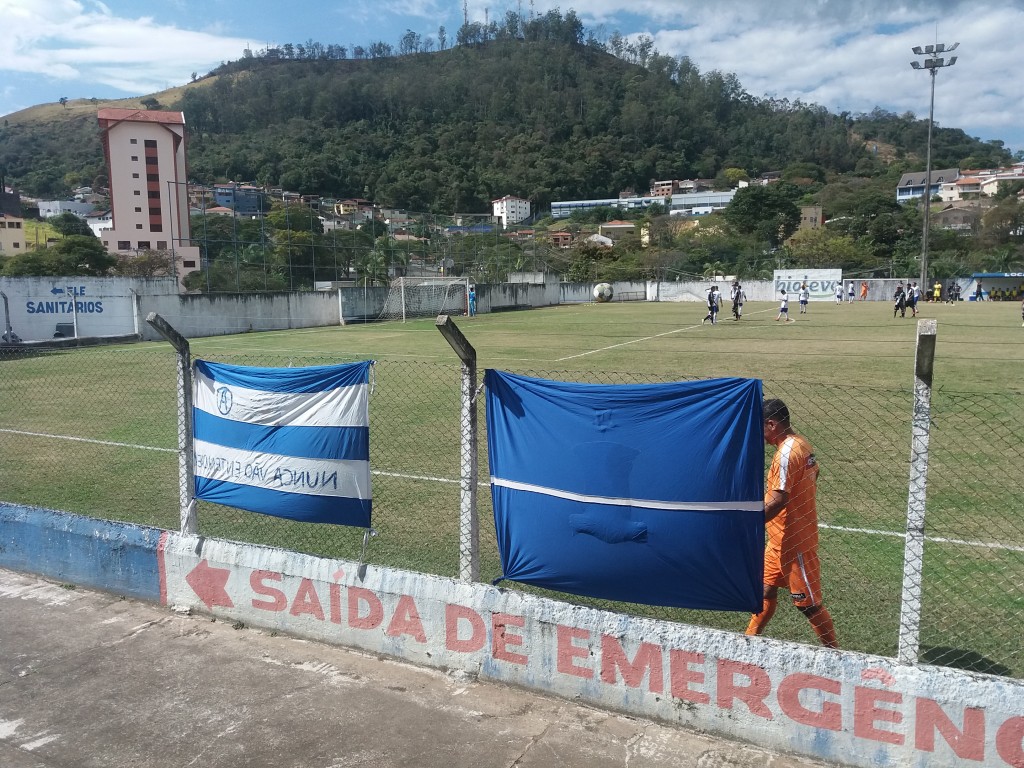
{"x":366,"y":540}
{"x":373,"y":376}
{"x":477,"y":393}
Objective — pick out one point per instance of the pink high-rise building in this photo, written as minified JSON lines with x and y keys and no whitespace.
{"x":145,"y":153}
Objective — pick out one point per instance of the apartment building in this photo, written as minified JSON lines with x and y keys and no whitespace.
{"x":145,"y":152}
{"x":511,"y":210}
{"x":12,"y":224}
{"x":12,"y":235}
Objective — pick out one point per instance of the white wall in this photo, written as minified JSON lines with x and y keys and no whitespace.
{"x":843,"y":707}
{"x":104,"y":305}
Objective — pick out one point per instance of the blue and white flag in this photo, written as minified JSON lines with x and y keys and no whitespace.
{"x":288,"y":442}
{"x":650,"y":493}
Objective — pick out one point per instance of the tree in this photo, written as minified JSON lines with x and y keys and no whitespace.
{"x":735,"y":175}
{"x":767,"y":212}
{"x":713,"y":269}
{"x":63,"y":101}
{"x":68,"y":224}
{"x":144,"y":264}
{"x":820,"y":248}
{"x":84,"y":256}
{"x":150,"y":103}
{"x":372,"y":267}
{"x":295,"y":218}
{"x":74,"y":255}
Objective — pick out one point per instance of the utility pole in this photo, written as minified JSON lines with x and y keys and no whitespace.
{"x":933,"y":62}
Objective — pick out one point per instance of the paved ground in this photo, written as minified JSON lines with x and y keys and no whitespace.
{"x":90,"y":679}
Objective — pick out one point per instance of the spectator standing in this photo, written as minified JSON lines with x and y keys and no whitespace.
{"x":979,"y":294}
{"x":791,"y":523}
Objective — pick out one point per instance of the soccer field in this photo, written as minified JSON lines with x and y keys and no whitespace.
{"x":93,"y":431}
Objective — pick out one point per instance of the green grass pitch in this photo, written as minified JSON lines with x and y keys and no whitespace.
{"x":93,"y":431}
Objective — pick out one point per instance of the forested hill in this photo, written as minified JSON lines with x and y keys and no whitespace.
{"x":451,"y":130}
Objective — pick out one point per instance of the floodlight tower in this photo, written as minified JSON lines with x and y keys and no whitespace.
{"x":933,"y":63}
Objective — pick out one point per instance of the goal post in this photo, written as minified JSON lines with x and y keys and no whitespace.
{"x":426,"y":297}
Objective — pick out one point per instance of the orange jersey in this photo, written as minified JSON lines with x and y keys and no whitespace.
{"x":795,"y":529}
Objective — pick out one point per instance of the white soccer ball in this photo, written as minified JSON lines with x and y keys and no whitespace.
{"x":603,"y":292}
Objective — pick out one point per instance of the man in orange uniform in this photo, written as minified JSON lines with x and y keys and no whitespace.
{"x":791,"y":514}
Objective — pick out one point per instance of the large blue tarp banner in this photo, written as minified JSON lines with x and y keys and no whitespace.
{"x":288,"y":442}
{"x":649,"y":493}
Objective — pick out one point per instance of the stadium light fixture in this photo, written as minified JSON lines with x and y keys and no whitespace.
{"x":933,"y":63}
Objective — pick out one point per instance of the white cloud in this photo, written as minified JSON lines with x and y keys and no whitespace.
{"x":74,"y":41}
{"x":848,"y":56}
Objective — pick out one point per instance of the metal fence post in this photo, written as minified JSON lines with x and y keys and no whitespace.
{"x":913,"y":555}
{"x":469,"y":523}
{"x":186,"y":448}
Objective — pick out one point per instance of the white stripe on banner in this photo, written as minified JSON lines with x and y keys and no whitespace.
{"x":312,"y":477}
{"x":682,"y":506}
{"x":341,"y":407}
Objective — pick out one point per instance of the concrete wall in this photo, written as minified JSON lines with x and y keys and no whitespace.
{"x":756,"y":290}
{"x":848,"y":708}
{"x":114,"y":306}
{"x":104,"y":305}
{"x":108,"y":306}
{"x":219,"y":314}
{"x":576,"y":293}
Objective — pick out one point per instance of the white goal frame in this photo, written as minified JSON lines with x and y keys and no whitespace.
{"x":426,"y":297}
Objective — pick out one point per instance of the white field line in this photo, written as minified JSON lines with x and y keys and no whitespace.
{"x":645,"y":338}
{"x":428,"y":478}
{"x":89,"y":440}
{"x":936,"y":539}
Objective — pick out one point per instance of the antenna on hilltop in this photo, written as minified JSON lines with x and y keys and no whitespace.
{"x":465,"y":13}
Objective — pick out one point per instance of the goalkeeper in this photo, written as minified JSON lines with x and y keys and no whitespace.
{"x":791,"y":515}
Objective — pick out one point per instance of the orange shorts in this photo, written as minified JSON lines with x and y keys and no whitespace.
{"x":801,"y":576}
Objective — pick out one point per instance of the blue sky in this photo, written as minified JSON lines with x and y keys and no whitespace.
{"x":846,"y":55}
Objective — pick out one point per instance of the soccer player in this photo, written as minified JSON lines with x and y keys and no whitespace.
{"x":849,"y":293}
{"x":791,"y":516}
{"x":937,"y":291}
{"x":863,"y":290}
{"x":899,"y":299}
{"x":839,"y":292}
{"x":472,"y":300}
{"x":804,"y":296}
{"x":783,"y":306}
{"x":738,"y":297}
{"x":714,"y":297}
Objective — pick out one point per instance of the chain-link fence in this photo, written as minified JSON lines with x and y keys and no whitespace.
{"x":94,"y":431}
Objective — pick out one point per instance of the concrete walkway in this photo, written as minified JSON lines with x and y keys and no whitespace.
{"x":91,"y":679}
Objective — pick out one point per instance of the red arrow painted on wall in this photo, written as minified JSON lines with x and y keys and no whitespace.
{"x":209,"y":584}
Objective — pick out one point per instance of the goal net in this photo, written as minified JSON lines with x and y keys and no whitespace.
{"x":426,"y":297}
